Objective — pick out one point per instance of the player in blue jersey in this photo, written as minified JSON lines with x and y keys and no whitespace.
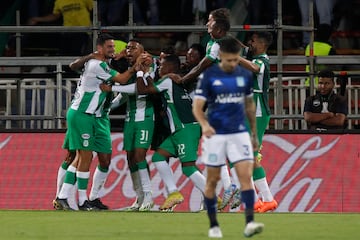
{"x":227,"y":89}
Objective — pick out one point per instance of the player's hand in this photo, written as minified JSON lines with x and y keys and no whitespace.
{"x":146,"y":59}
{"x":96,"y":55}
{"x":208,"y":131}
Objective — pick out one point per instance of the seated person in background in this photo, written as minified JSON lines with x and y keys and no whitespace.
{"x":325,"y":109}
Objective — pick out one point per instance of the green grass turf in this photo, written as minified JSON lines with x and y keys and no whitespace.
{"x":54,"y":225}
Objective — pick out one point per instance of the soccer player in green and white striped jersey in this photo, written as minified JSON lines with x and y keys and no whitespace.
{"x":83,"y":116}
{"x":138,"y":132}
{"x":185,"y":130}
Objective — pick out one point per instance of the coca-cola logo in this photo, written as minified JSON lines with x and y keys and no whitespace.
{"x":4,"y":142}
{"x":305,"y":172}
{"x":299,"y":189}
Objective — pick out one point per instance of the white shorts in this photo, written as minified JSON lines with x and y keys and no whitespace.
{"x":234,"y":147}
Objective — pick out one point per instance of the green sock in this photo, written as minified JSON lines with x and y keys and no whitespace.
{"x":259,"y":173}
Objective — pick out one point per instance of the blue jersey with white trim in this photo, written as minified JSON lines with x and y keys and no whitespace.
{"x":225,"y":94}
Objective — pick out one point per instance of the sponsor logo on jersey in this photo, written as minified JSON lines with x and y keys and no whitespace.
{"x":240,"y":82}
{"x":230,"y":98}
{"x":85,"y":136}
{"x":198,"y":91}
{"x":86,"y":143}
{"x":212,"y":158}
{"x":316,"y":103}
{"x":217,"y":82}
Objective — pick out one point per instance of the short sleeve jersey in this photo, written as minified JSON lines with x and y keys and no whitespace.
{"x":178,"y":103}
{"x":332,"y":103}
{"x":261,"y":84}
{"x":225,"y":94}
{"x":139,"y":107}
{"x":88,"y":96}
{"x":74,"y":12}
{"x":212,"y":50}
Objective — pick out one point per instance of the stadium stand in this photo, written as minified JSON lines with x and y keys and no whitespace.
{"x":287,"y":64}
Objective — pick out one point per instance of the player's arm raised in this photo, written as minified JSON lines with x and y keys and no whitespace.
{"x":79,"y":63}
{"x":124,"y":77}
{"x":196,"y":71}
{"x":249,"y":65}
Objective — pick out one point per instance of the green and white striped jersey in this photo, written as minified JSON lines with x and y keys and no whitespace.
{"x":212,"y":50}
{"x":179,"y":103}
{"x":139,"y":107}
{"x":88,"y":96}
{"x":261,"y":84}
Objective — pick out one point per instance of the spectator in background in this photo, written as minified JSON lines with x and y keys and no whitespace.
{"x":73,"y":13}
{"x":153,"y":12}
{"x":322,"y":47}
{"x":324,"y":9}
{"x":325,"y":109}
{"x":7,"y":17}
{"x":37,"y":8}
{"x":256,"y":14}
{"x":112,"y":12}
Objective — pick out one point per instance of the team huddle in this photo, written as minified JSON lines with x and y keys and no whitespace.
{"x":228,"y":110}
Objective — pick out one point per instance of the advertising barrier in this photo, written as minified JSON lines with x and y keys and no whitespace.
{"x":306,"y":173}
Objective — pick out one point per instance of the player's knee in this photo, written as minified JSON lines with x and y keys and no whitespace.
{"x":70,"y":156}
{"x":158,"y":157}
{"x":104,"y":160}
{"x":189,"y":170}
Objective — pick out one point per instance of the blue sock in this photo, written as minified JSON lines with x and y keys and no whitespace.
{"x":248,"y":198}
{"x":211,"y":206}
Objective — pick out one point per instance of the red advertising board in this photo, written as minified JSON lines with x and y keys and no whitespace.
{"x":306,"y":173}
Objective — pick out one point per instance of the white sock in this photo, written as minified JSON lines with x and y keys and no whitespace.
{"x":98,"y":183}
{"x":82,"y":178}
{"x":66,"y":187}
{"x":166,"y":175}
{"x":199,"y":180}
{"x":225,"y":177}
{"x":256,"y":196}
{"x":60,"y":179}
{"x":135,"y":177}
{"x":264,"y":190}
{"x":145,"y":180}
{"x":72,"y":198}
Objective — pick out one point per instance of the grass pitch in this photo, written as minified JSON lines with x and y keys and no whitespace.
{"x":56,"y":225}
